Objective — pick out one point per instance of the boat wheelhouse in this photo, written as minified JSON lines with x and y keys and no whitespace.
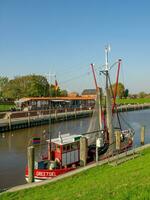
{"x":63,"y":156}
{"x":66,"y":149}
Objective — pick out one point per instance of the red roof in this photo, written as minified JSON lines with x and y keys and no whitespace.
{"x":57,"y":98}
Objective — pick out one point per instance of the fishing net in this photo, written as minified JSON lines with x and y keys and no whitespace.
{"x":94,"y":126}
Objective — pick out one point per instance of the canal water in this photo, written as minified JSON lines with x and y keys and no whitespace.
{"x":13,"y":145}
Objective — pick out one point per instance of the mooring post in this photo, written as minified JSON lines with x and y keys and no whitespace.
{"x":30,"y":164}
{"x":40,"y":113}
{"x":118,"y":139}
{"x":9,"y":120}
{"x":28,"y":119}
{"x":98,"y":144}
{"x":83,"y":151}
{"x":66,"y":113}
{"x":56,"y":114}
{"x":142,"y":135}
{"x":75,"y":113}
{"x":49,"y":149}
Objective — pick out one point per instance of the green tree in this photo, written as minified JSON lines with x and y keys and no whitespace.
{"x":64,"y":93}
{"x":142,"y":94}
{"x":120,"y":89}
{"x":3,"y":82}
{"x":26,"y":86}
{"x":36,"y":86}
{"x":126,"y":93}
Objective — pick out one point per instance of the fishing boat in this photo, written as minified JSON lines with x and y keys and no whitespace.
{"x":63,"y":152}
{"x":106,"y":117}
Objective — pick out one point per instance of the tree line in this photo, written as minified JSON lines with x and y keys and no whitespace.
{"x":38,"y":86}
{"x":28,"y":86}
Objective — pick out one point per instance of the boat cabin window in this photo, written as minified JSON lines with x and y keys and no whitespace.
{"x":68,"y":147}
{"x":64,"y":148}
{"x":74,"y":146}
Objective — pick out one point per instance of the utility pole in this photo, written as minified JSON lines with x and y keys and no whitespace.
{"x":49,"y":76}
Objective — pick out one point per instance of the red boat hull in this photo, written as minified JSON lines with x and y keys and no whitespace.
{"x":43,"y":174}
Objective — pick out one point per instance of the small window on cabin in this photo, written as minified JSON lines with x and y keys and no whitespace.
{"x":78,"y":144}
{"x":58,"y":148}
{"x":74,"y":146}
{"x":68,"y":147}
{"x":64,"y":148}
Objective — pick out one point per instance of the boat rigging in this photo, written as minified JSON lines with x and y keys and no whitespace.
{"x":64,"y":152}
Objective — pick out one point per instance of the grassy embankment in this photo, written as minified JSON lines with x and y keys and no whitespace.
{"x":130,"y":180}
{"x":133,"y":101}
{"x":6,"y":107}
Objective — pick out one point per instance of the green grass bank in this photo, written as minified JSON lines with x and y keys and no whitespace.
{"x":6,"y":107}
{"x":133,"y":101}
{"x":129,"y":180}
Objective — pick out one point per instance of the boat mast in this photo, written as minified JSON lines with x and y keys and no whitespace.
{"x":108,"y":98}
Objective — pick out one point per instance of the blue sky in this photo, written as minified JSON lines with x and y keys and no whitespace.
{"x":65,"y":36}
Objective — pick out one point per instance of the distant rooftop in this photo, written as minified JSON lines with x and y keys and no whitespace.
{"x":25,"y":99}
{"x":89,"y":92}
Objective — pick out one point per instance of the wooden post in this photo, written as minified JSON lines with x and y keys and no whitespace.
{"x":97,"y":145}
{"x":39,"y":114}
{"x":49,"y":149}
{"x":117,"y":135}
{"x":66,"y":113}
{"x":28,"y":119}
{"x":56,"y":114}
{"x":118,"y":140}
{"x":75,"y":113}
{"x":9,"y":120}
{"x":83,"y":151}
{"x":96,"y":154}
{"x":30,"y":164}
{"x":142,"y":135}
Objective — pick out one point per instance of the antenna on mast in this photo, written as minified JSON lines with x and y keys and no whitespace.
{"x":107,"y":50}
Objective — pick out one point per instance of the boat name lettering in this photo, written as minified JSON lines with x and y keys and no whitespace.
{"x":45,"y":174}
